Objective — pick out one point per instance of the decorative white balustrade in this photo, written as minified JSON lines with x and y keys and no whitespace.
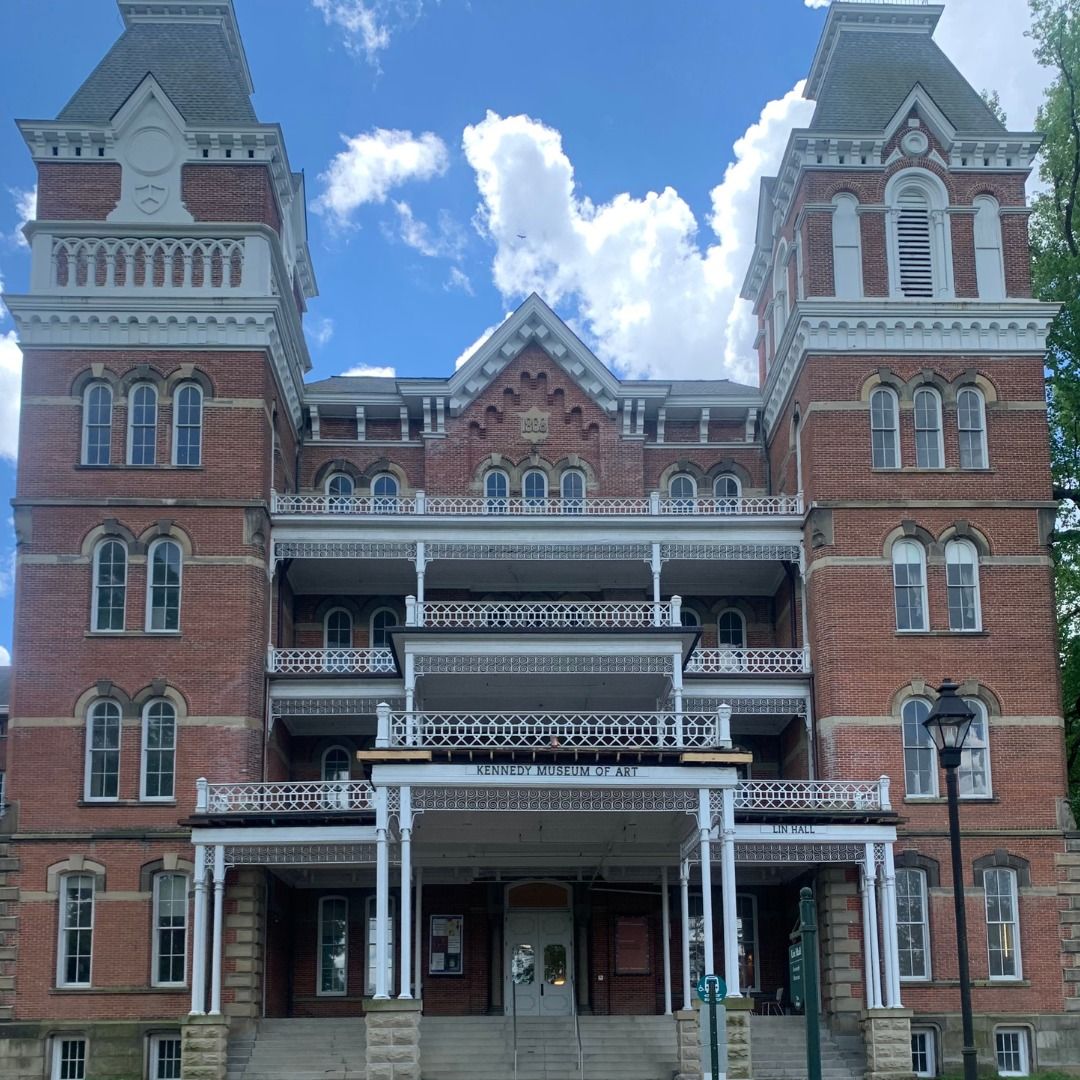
{"x":330,"y":662}
{"x":479,"y":506}
{"x":749,"y":662}
{"x":540,"y":614}
{"x":293,"y":796}
{"x":819,"y":795}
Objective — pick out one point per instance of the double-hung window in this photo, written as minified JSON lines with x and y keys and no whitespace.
{"x":912,"y":924}
{"x":333,"y":945}
{"x":159,"y":751}
{"x":909,"y":585}
{"x":384,"y":494}
{"x":572,"y":487}
{"x":170,"y":929}
{"x":534,"y":490}
{"x":1012,"y":1052}
{"x":884,"y":429}
{"x":163,"y":586}
{"x":97,"y":424}
{"x":68,"y":1058}
{"x":165,"y":1057}
{"x":971,"y":428}
{"x":110,"y":586}
{"x":920,"y":759}
{"x":103,"y":751}
{"x":1002,"y":923}
{"x":923,"y":1052}
{"x":76,"y":930}
{"x":187,"y":425}
{"x":496,"y":492}
{"x":929,"y":448}
{"x":962,"y":582}
{"x":973,"y":776}
{"x":142,"y":425}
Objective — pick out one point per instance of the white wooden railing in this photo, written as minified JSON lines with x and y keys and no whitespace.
{"x":797,"y":795}
{"x":319,"y":503}
{"x":541,"y":614}
{"x":291,"y":796}
{"x":330,"y":662}
{"x":749,"y":662}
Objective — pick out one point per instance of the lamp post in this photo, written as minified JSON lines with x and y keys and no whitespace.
{"x":948,"y":725}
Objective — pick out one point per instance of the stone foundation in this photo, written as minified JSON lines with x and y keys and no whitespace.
{"x":688,"y":1045}
{"x":887,"y":1033}
{"x":204,"y":1048}
{"x":393,"y":1039}
{"x":245,"y":933}
{"x":738,"y":1038}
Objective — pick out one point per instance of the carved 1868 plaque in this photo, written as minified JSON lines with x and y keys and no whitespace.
{"x":534,"y":425}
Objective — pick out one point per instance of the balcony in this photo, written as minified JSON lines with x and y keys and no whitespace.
{"x":749,"y":662}
{"x":288,"y":797}
{"x":330,"y":662}
{"x":542,"y":615}
{"x":807,"y":796}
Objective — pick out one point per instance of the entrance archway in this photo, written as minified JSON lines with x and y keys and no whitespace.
{"x":538,"y":953}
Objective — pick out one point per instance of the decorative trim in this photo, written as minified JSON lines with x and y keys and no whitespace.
{"x":1001,"y":858}
{"x":301,"y":549}
{"x":556,"y":799}
{"x":541,"y":664}
{"x":796,"y":853}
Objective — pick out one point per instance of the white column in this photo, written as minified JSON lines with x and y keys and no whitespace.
{"x":868,"y":929}
{"x":418,"y":945}
{"x":198,"y":944}
{"x":676,"y":694}
{"x":656,"y":564}
{"x":382,"y":894}
{"x":874,"y":960}
{"x":219,"y":925}
{"x":665,"y":922}
{"x":888,"y":921}
{"x":684,"y":913}
{"x":421,"y":567}
{"x":410,"y":692}
{"x":705,"y":849}
{"x":727,"y":883}
{"x":405,"y":820}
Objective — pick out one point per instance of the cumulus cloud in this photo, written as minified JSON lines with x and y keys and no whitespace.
{"x":372,"y":370}
{"x":446,"y":240}
{"x":458,"y":279}
{"x":319,"y":331}
{"x":374,"y":163}
{"x":10,"y":381}
{"x":655,"y":300}
{"x":5,"y":657}
{"x":469,"y":349}
{"x":368,"y":26}
{"x":817,"y":3}
{"x":26,"y":209}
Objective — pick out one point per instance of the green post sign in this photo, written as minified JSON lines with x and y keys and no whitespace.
{"x":795,"y":974}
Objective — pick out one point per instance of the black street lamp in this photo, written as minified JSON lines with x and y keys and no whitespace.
{"x":948,"y":725}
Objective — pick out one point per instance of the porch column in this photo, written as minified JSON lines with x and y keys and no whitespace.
{"x":410,"y":692}
{"x":874,"y":960}
{"x":219,"y":923}
{"x":421,"y":567}
{"x":727,"y":884}
{"x":418,"y":946}
{"x":665,"y":920}
{"x":405,"y":822}
{"x":676,"y":693}
{"x":872,"y":990}
{"x":684,"y":912}
{"x":382,"y":894}
{"x":656,"y":564}
{"x":889,"y":931}
{"x":198,"y":956}
{"x":705,"y":846}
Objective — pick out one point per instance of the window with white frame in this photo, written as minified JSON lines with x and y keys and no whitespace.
{"x":142,"y":425}
{"x":847,"y":248}
{"x":731,"y":630}
{"x":689,"y":618}
{"x":187,"y":424}
{"x":384,"y":493}
{"x":929,"y":445}
{"x":97,"y":424}
{"x":971,"y":428}
{"x":370,"y":976}
{"x":339,"y":490}
{"x":333,"y":946}
{"x":337,"y":629}
{"x":909,"y":585}
{"x":496,"y":491}
{"x":682,"y":488}
{"x":912,"y":924}
{"x":914,"y":244}
{"x":103,"y":751}
{"x":1002,"y":923}
{"x":76,"y":930}
{"x":884,"y":429}
{"x":335,"y":774}
{"x":989,"y":265}
{"x":534,"y":488}
{"x":110,"y":586}
{"x":382,"y":620}
{"x":920,"y":758}
{"x":158,"y":751}
{"x":973,"y":776}
{"x":746,"y":914}
{"x":923,"y":1052}
{"x":68,"y":1058}
{"x":919,"y":243}
{"x":572,"y":488}
{"x":1012,"y":1050}
{"x":170,"y":929}
{"x":780,"y":293}
{"x":728,"y":491}
{"x":163,"y":586}
{"x":962,"y":584}
{"x":165,"y":1057}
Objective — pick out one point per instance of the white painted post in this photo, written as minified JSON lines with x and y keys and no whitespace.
{"x":870,"y":870}
{"x":727,"y":883}
{"x":684,"y":914}
{"x":868,"y":982}
{"x":654,"y":502}
{"x":198,"y":956}
{"x":382,"y":728}
{"x":219,"y":927}
{"x":254,"y":271}
{"x":421,"y":567}
{"x":410,"y":611}
{"x":418,"y":945}
{"x":665,"y":922}
{"x":420,"y":507}
{"x":705,"y":847}
{"x":883,"y":793}
{"x":676,"y":694}
{"x":202,"y":796}
{"x":657,"y":565}
{"x":405,"y":821}
{"x":892,"y":942}
{"x":723,"y":726}
{"x":410,"y":697}
{"x":382,"y":894}
{"x":676,"y":611}
{"x":43,"y":263}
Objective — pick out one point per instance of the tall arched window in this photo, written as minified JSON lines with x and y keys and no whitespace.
{"x":989,"y":266}
{"x":158,"y":779}
{"x":973,"y":776}
{"x":187,"y":424}
{"x":333,"y":945}
{"x":381,"y":622}
{"x":110,"y":586}
{"x":142,"y":425}
{"x":962,"y":583}
{"x":572,"y":488}
{"x":909,"y":585}
{"x":929,"y":445}
{"x":728,"y":491}
{"x":384,"y":492}
{"x":920,"y":759}
{"x":336,"y":774}
{"x":731,"y":630}
{"x":496,"y":491}
{"x":847,"y":248}
{"x":919,"y":244}
{"x":534,"y":489}
{"x":912,"y":924}
{"x":97,"y":424}
{"x":103,"y":752}
{"x":339,"y":490}
{"x":682,"y":488}
{"x":1002,"y":922}
{"x":170,"y":929}
{"x":971,"y":427}
{"x":884,"y":429}
{"x":76,"y":945}
{"x":337,"y":629}
{"x":163,"y":586}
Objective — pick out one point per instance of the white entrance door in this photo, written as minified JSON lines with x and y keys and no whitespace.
{"x":538,"y":963}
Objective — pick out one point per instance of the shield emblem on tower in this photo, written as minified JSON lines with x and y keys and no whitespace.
{"x":149,"y":197}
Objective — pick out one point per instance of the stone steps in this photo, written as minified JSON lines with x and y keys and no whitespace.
{"x":778,"y":1050}
{"x":301,"y":1049}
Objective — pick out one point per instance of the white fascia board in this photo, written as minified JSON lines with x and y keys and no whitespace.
{"x":549,"y":643}
{"x":763,"y":833}
{"x":746,"y":686}
{"x":289,"y":688}
{"x":471,"y":776}
{"x":275,"y":834}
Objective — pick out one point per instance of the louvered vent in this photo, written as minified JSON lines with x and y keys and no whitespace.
{"x":913,"y":241}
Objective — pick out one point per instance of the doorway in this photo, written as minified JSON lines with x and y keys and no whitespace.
{"x":538,"y":935}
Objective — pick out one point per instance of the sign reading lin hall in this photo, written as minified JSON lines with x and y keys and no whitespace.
{"x":369,"y":704}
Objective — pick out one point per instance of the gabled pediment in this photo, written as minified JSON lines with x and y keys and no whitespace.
{"x":920,"y":100}
{"x":534,"y":323}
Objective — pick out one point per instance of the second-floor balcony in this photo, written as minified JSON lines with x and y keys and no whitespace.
{"x":542,"y":614}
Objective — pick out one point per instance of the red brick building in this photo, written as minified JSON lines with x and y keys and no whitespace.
{"x":345,"y":710}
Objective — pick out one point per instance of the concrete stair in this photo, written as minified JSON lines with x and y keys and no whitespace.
{"x":300,"y":1049}
{"x":778,"y":1050}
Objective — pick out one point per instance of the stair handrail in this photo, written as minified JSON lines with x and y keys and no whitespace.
{"x":513,"y":1010}
{"x":577,"y":1026}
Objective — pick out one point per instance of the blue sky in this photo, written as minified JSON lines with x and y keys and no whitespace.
{"x":461,"y":153}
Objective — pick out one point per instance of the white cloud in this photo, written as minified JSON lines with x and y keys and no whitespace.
{"x":5,"y":657}
{"x":10,"y":380}
{"x":656,"y":301}
{"x":365,"y":31}
{"x":446,"y":241}
{"x":458,"y":279}
{"x":372,"y":164}
{"x":320,"y":331}
{"x":372,"y":370}
{"x":817,"y":3}
{"x":469,"y":349}
{"x":26,"y":208}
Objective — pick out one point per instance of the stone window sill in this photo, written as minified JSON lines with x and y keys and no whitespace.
{"x":121,"y":466}
{"x":104,"y":991}
{"x":942,"y":633}
{"x":941,"y":800}
{"x":126,"y":802}
{"x":132,"y":633}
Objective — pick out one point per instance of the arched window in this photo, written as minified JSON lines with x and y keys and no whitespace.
{"x":973,"y":776}
{"x":381,"y":621}
{"x":170,"y":929}
{"x":989,"y":267}
{"x":158,"y":779}
{"x":731,"y":630}
{"x":103,"y":752}
{"x":929,"y":447}
{"x":682,"y":488}
{"x":333,"y":945}
{"x":884,"y":429}
{"x":572,"y":487}
{"x":187,"y":424}
{"x":339,"y":490}
{"x":110,"y":586}
{"x":1002,"y":922}
{"x":962,"y":583}
{"x":336,"y":774}
{"x":909,"y":585}
{"x":912,"y":924}
{"x":384,"y":494}
{"x":728,"y":491}
{"x":971,"y":426}
{"x":337,"y":629}
{"x":76,"y":946}
{"x":97,"y":424}
{"x":919,"y":243}
{"x":920,"y":760}
{"x":534,"y":489}
{"x":496,"y":492}
{"x":163,"y":586}
{"x":847,"y":248}
{"x":689,"y":618}
{"x":142,"y":425}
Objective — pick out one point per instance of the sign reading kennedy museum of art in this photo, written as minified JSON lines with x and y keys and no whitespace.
{"x":584,"y":772}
